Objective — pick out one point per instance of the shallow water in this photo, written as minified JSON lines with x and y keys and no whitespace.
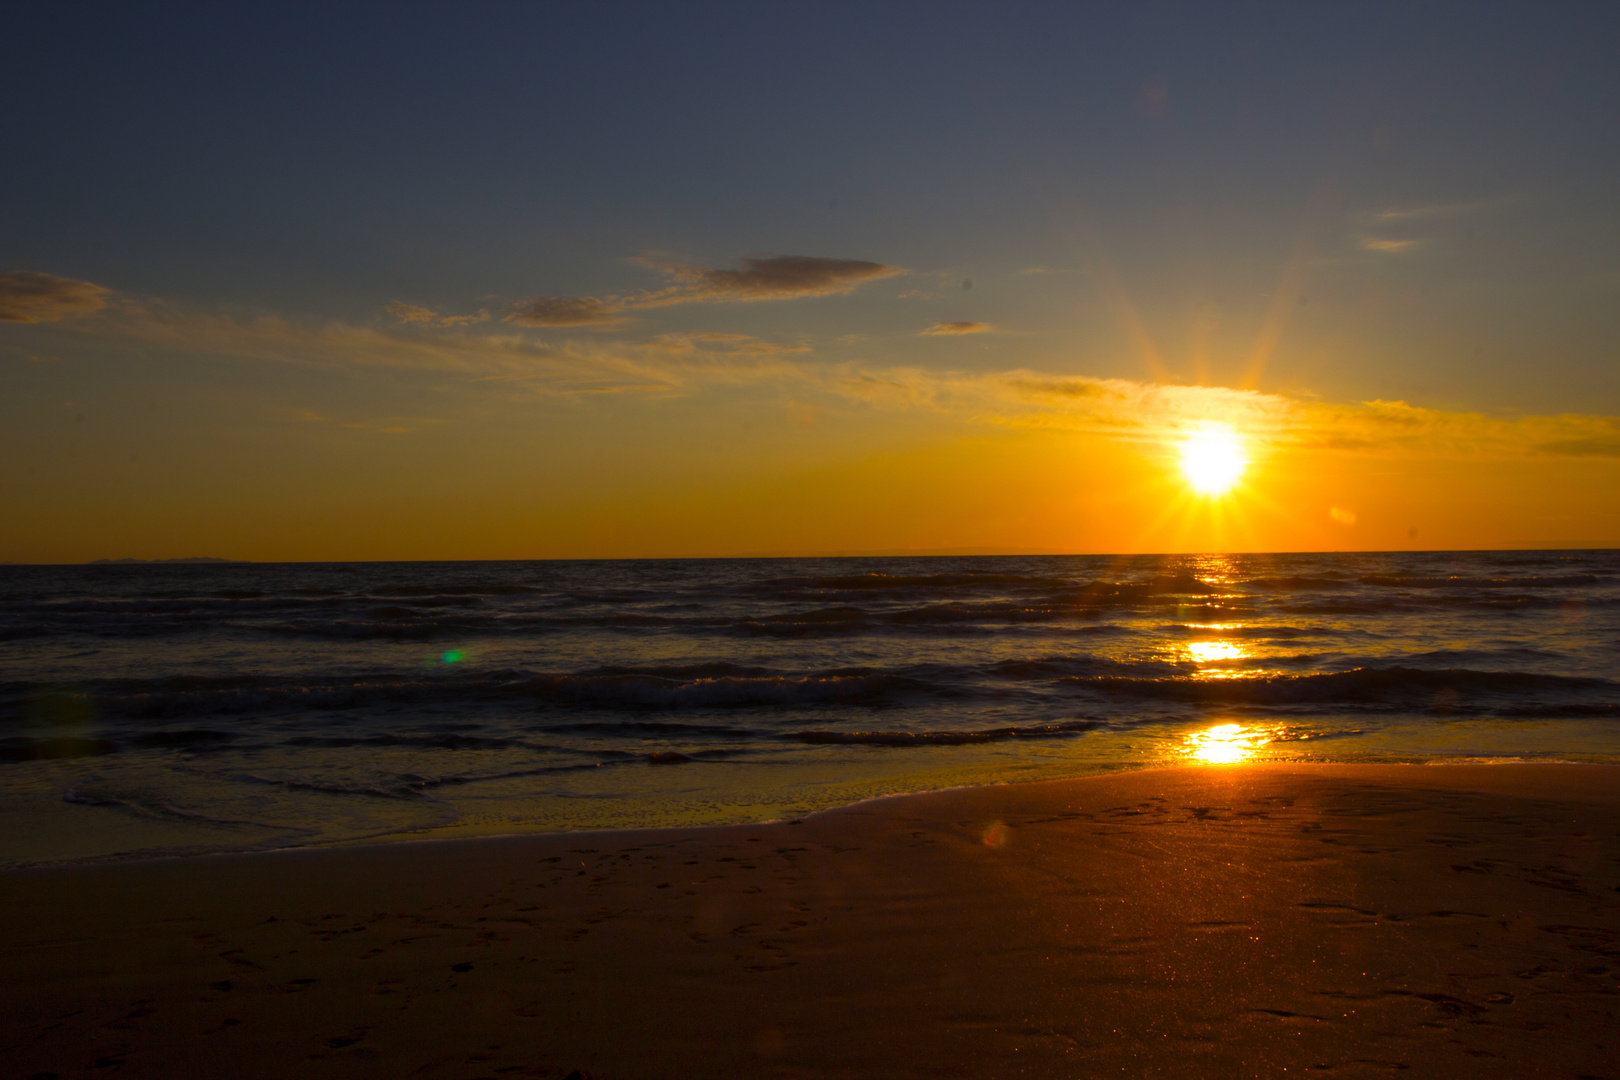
{"x":179,"y":708}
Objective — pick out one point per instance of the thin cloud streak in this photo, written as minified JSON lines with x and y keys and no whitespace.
{"x":411,"y":313}
{"x":666,"y":364}
{"x":696,"y":362}
{"x":768,"y":277}
{"x":947,"y":329}
{"x":566,"y":311}
{"x":771,"y":277}
{"x":27,"y":297}
{"x":1443,"y":210}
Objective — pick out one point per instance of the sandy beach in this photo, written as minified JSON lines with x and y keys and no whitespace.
{"x":1255,"y":920}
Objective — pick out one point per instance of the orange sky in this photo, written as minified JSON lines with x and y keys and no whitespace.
{"x":717,"y":280}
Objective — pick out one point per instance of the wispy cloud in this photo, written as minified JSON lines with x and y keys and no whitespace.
{"x":952,"y":328}
{"x":1423,"y":211}
{"x":766,"y":277}
{"x":1150,"y":414}
{"x":1156,"y":414}
{"x":411,"y":313}
{"x":1374,"y":243}
{"x":567,"y":311}
{"x":27,"y":297}
{"x":740,"y":344}
{"x":664,"y":364}
{"x":770,"y":277}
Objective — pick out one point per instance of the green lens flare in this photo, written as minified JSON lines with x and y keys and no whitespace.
{"x":452,"y":657}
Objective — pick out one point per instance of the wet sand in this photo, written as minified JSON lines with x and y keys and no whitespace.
{"x":1260,"y":920}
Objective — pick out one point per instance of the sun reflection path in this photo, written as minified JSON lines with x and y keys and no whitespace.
{"x":1208,"y":651}
{"x":1224,"y":744}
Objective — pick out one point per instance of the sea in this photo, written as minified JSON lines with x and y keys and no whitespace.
{"x":175,"y":709}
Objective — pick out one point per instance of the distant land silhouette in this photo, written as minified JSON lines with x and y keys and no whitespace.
{"x":193,"y":559}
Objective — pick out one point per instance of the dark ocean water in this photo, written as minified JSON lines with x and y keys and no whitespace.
{"x":177,"y":708}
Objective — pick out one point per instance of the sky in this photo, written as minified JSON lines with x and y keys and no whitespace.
{"x":435,"y":281}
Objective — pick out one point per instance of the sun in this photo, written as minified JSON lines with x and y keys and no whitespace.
{"x":1212,"y":459}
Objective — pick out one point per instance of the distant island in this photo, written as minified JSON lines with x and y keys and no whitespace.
{"x":193,"y":559}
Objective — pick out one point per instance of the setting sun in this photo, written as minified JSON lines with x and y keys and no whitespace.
{"x":1212,"y":459}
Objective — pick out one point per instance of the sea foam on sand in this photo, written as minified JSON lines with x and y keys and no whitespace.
{"x":1254,"y":920}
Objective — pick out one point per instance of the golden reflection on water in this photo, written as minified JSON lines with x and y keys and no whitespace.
{"x":1208,"y":651}
{"x":1217,"y":652}
{"x":1224,"y":744}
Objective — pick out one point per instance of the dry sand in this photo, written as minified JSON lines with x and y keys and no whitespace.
{"x":1262,"y":920}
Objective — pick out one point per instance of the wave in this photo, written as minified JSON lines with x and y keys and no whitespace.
{"x":642,"y":728}
{"x":729,"y":692}
{"x":941,"y":738}
{"x":1263,"y":632}
{"x":715,"y":687}
{"x":1302,"y":583}
{"x":1459,"y":581}
{"x":1377,"y":606}
{"x":893,"y":582}
{"x":715,"y":669}
{"x":1359,"y":688}
{"x":1058,"y":667}
{"x":14,"y":750}
{"x":491,"y":588}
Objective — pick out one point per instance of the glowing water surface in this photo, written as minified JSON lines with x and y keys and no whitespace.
{"x":188,"y":709}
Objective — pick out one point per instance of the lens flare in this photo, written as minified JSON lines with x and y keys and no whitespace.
{"x":1212,"y":459}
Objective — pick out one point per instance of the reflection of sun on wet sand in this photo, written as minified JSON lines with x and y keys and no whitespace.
{"x":1203,"y":921}
{"x":1224,"y":744}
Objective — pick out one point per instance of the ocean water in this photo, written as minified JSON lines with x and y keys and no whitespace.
{"x":165,"y":709}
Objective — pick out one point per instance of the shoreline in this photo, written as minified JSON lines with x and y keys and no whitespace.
{"x":1209,"y":920}
{"x":458,"y":833}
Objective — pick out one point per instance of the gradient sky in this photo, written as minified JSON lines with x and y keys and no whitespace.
{"x":589,"y":280}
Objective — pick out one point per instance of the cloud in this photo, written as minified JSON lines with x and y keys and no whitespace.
{"x":566,"y":311}
{"x":665,"y":365}
{"x":1373,"y":243}
{"x":767,"y":277}
{"x":35,"y":298}
{"x":1444,"y":210}
{"x":1597,"y":444}
{"x":411,"y":313}
{"x":1157,"y":415}
{"x":770,"y":277}
{"x":950,"y":328}
{"x":1151,"y":415}
{"x":741,"y":344}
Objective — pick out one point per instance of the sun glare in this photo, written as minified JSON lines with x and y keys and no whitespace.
{"x":1224,"y":744}
{"x":1212,"y":459}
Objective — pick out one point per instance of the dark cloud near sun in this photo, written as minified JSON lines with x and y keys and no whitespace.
{"x":27,"y":297}
{"x":947,"y":329}
{"x":411,"y":313}
{"x":565,"y":311}
{"x":765,"y":277}
{"x":770,"y":277}
{"x":1594,"y":447}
